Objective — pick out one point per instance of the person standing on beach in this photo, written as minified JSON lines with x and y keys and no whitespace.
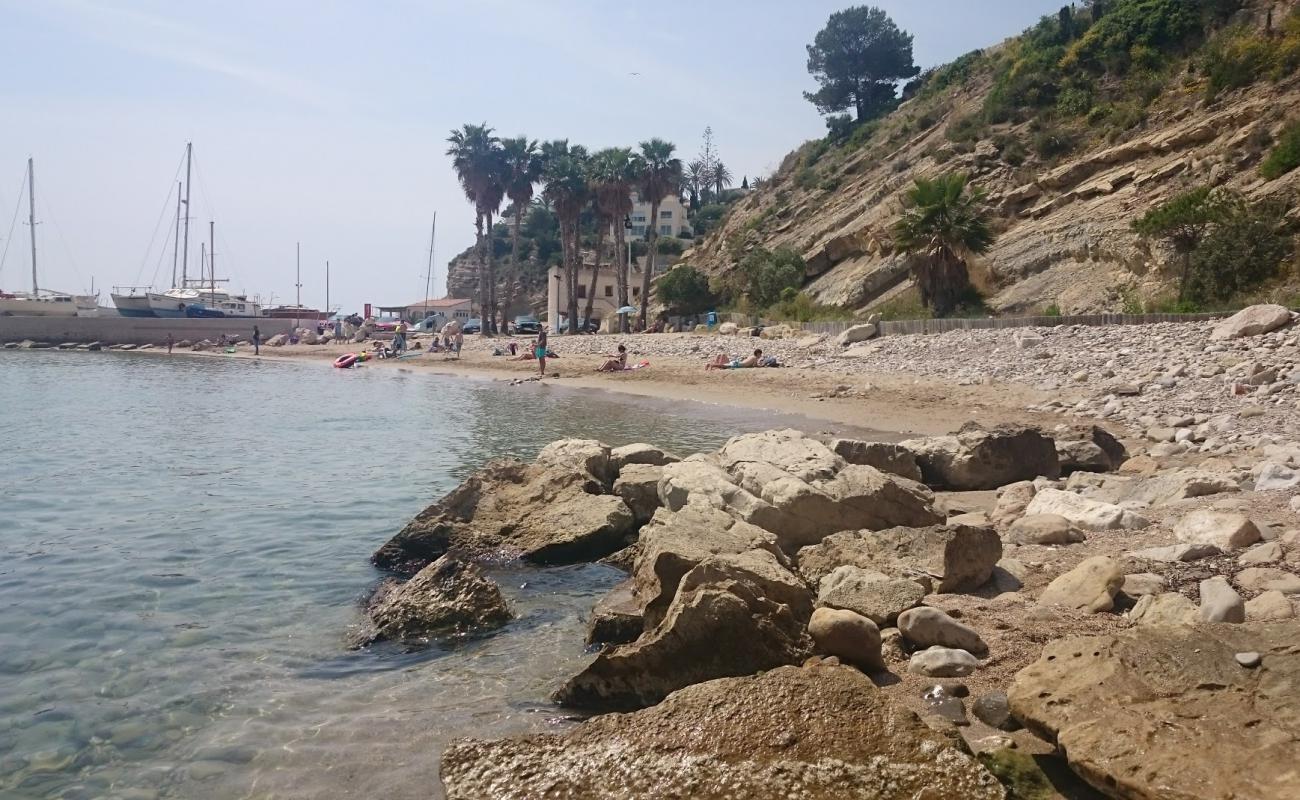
{"x":399,"y":337}
{"x":257,"y":341}
{"x":539,"y":350}
{"x":170,"y":341}
{"x":460,"y":341}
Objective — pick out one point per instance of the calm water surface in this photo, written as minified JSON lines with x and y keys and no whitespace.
{"x":183,"y":546}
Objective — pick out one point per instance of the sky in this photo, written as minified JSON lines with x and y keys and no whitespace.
{"x":324,"y":122}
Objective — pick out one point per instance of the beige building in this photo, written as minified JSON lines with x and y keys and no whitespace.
{"x":606,"y":300}
{"x":670,"y":222}
{"x":449,"y":307}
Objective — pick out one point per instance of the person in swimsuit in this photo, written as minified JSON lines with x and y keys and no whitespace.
{"x":616,"y":363}
{"x":539,"y":352}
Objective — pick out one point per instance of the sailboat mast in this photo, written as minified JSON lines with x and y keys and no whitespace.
{"x":327,"y":288}
{"x":185,"y":253}
{"x":298,"y":272}
{"x":176,"y":239}
{"x":212,"y":260}
{"x":31,"y":217}
{"x":428,"y":273}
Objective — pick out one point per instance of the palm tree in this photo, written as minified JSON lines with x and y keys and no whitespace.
{"x":944,"y":223}
{"x":697,"y":177}
{"x":720,"y":178}
{"x":613,"y":173}
{"x":661,"y":176}
{"x":567,"y":192}
{"x":523,"y":168}
{"x":475,"y":156}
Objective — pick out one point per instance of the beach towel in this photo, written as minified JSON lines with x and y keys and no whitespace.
{"x":640,"y":365}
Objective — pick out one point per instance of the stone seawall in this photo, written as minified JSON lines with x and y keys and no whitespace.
{"x":134,"y":330}
{"x":921,"y":326}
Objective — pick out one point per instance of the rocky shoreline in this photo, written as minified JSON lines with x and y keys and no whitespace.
{"x":819,"y":617}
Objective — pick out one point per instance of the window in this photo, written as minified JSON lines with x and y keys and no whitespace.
{"x":582,"y":292}
{"x":609,"y":291}
{"x":665,"y":215}
{"x":638,"y":217}
{"x":665,"y":230}
{"x":638,"y":231}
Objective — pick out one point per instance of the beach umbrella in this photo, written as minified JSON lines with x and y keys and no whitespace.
{"x":627,"y":310}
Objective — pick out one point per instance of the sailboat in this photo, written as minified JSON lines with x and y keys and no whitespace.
{"x":190,"y":297}
{"x":43,"y":302}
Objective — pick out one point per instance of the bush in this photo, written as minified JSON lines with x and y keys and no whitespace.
{"x":1053,"y":142}
{"x":795,"y":306}
{"x":1235,"y":58}
{"x":1285,"y":155}
{"x":1074,"y":102}
{"x":685,"y":291}
{"x":1053,"y":310}
{"x":806,"y":178}
{"x":708,"y":217}
{"x":766,"y":274}
{"x":1246,"y":247}
{"x":966,"y":129}
{"x":839,"y":127}
{"x":831,"y":183}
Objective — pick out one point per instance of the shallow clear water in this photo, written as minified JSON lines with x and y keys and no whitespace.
{"x":183,"y":545}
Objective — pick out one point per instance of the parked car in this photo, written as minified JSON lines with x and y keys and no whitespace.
{"x":472,"y":326}
{"x":584,"y":326}
{"x":527,"y":325}
{"x":433,"y":322}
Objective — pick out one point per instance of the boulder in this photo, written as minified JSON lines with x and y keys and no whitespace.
{"x":849,"y":636}
{"x":979,"y":458}
{"x":874,"y":595}
{"x":1090,"y":515}
{"x":278,"y":340}
{"x":584,"y":455}
{"x":1167,"y":712}
{"x":1276,"y":478}
{"x":926,"y":627}
{"x":952,"y":558}
{"x":1165,"y":488}
{"x":1044,"y":529}
{"x":513,"y":510}
{"x":616,"y":619}
{"x":994,"y":710}
{"x":639,"y":453}
{"x":1223,"y":529}
{"x":760,"y":569}
{"x":307,"y":336}
{"x":1262,"y":554}
{"x":672,"y":544}
{"x":857,"y":333}
{"x":715,"y":630}
{"x":943,"y":662}
{"x":1142,"y":583}
{"x":728,"y":329}
{"x":638,"y":487}
{"x":1090,"y":449}
{"x":1219,"y":602}
{"x":1264,"y":579}
{"x":817,"y":732}
{"x":1165,"y":608}
{"x":1269,"y":606}
{"x":884,"y":456}
{"x":1176,"y":553}
{"x":1090,"y":586}
{"x":1252,"y":321}
{"x":447,"y":598}
{"x":1012,"y":501}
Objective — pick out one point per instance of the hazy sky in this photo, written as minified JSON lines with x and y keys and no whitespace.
{"x":325,"y":122}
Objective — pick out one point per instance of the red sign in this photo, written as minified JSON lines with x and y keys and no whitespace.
{"x":367,"y":314}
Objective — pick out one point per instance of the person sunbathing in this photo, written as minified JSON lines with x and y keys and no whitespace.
{"x":722,"y":362}
{"x":616,"y":363}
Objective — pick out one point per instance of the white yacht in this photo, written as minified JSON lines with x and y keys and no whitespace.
{"x":43,"y":302}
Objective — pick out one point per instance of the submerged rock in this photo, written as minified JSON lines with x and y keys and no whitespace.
{"x":447,"y":598}
{"x":1167,"y":712}
{"x":818,"y":733}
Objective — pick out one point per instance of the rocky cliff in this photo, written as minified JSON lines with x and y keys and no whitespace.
{"x":1064,"y":220}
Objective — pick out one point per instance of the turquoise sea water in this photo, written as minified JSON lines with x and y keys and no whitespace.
{"x":183,"y":547}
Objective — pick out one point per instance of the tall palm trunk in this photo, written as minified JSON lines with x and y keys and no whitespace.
{"x":595,"y":272}
{"x":513,"y":277}
{"x":483,"y":298}
{"x":575,"y":258}
{"x":624,"y":272}
{"x":489,"y":318}
{"x":649,"y":268}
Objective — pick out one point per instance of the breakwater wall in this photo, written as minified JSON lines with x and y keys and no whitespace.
{"x":921,"y":326}
{"x":117,"y":329}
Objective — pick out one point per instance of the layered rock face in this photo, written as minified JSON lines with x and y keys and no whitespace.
{"x":1171,"y":711}
{"x":820,"y":733}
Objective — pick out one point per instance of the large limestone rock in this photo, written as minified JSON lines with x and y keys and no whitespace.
{"x":818,"y":733}
{"x":638,"y":486}
{"x":714,"y":630}
{"x":954,"y":558}
{"x":1224,"y":529}
{"x":976,"y":458}
{"x":1165,"y":608}
{"x":856,"y":333}
{"x":1088,"y":514}
{"x":1044,"y":529}
{"x":795,"y":487}
{"x":1162,"y":712}
{"x":1012,"y":500}
{"x":1091,"y":586}
{"x":1090,"y":449}
{"x":639,"y":453}
{"x":547,"y":515}
{"x":672,"y":544}
{"x":1164,"y":488}
{"x":585,"y":455}
{"x":874,"y":595}
{"x":447,"y":598}
{"x":1252,"y":321}
{"x":884,"y":456}
{"x":926,"y":627}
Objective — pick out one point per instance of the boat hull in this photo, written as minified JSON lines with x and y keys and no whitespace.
{"x":133,"y":305}
{"x":47,"y":306}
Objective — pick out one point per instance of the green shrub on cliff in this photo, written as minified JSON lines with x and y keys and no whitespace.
{"x":1285,"y":155}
